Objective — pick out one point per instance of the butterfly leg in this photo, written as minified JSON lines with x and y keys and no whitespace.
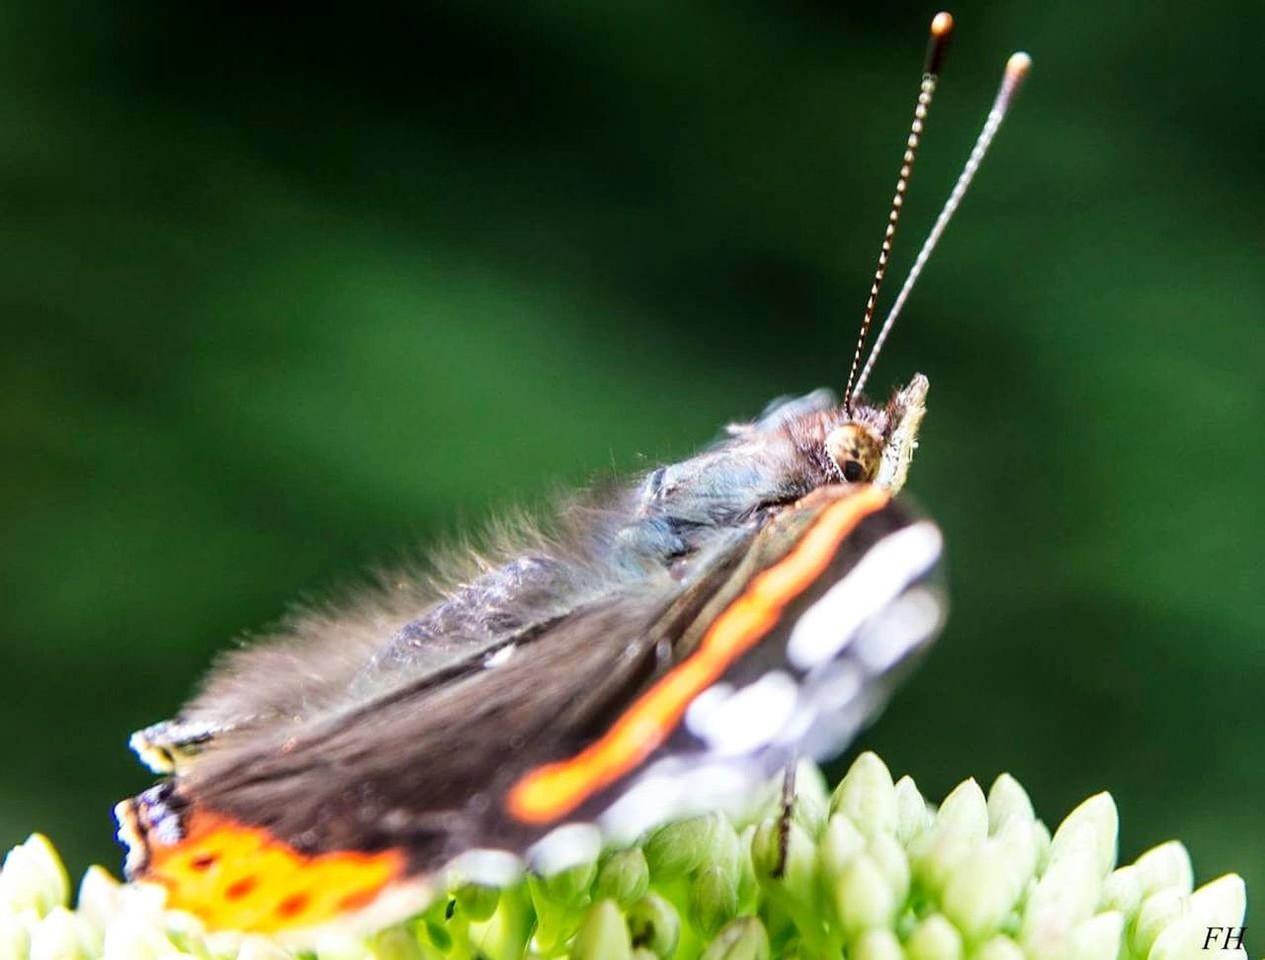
{"x":784,"y":820}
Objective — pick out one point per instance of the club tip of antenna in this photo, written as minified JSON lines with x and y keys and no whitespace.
{"x":1017,"y":68}
{"x":941,"y":29}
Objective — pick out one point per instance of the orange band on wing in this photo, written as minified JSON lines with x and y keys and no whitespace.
{"x":551,"y":791}
{"x":237,"y":877}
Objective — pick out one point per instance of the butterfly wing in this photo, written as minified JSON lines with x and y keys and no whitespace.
{"x":627,"y":711}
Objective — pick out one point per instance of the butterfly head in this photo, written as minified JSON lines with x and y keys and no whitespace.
{"x":875,"y":444}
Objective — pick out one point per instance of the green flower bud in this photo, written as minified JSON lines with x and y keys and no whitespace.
{"x":795,"y":949}
{"x":603,"y":935}
{"x":798,"y":878}
{"x":505,"y":934}
{"x":861,"y":897}
{"x":713,"y":900}
{"x":1167,"y":865}
{"x":934,"y":939}
{"x":437,"y":933}
{"x":812,"y":797}
{"x":624,"y":877}
{"x":1094,"y":825}
{"x":679,"y":848}
{"x":748,"y":888}
{"x":641,"y":953}
{"x":569,"y":888}
{"x":868,"y":796}
{"x":558,"y":901}
{"x":654,"y":925}
{"x":475,"y":901}
{"x":1006,"y":799}
{"x":877,"y":945}
{"x":743,"y":939}
{"x":912,"y":815}
{"x":724,"y":849}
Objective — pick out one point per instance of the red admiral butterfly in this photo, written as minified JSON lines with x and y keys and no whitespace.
{"x":654,"y":651}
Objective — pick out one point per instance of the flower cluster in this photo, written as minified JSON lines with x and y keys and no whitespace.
{"x":868,"y":872}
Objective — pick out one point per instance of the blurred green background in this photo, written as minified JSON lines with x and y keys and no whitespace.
{"x":286,"y":294}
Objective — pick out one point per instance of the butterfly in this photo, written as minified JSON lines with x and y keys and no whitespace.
{"x":653,"y":650}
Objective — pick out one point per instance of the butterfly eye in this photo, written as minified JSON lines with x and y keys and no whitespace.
{"x":855,"y":450}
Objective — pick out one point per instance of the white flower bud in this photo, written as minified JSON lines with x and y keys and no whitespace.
{"x":1157,"y":912}
{"x":1167,"y":865}
{"x":892,"y":863}
{"x":1099,"y":938}
{"x":912,"y":815}
{"x":1064,"y":897}
{"x":1122,"y":890}
{"x":868,"y":796}
{"x":840,"y":843}
{"x":877,"y":944}
{"x":33,"y":876}
{"x":983,"y":889}
{"x":58,"y":937}
{"x":100,"y":898}
{"x":999,"y":947}
{"x":861,"y":897}
{"x":1094,"y":825}
{"x":1007,"y":799}
{"x":603,"y":935}
{"x":935,"y":938}
{"x":960,"y":825}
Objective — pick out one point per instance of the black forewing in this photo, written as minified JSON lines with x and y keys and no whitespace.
{"x":425,"y":766}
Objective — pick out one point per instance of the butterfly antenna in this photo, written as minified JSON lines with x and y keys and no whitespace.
{"x":1017,"y":68}
{"x":941,"y":28}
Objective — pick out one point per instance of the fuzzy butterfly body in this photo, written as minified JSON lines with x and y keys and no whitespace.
{"x":659,"y":650}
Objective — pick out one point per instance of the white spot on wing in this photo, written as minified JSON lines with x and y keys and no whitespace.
{"x":567,"y":846}
{"x":878,"y":578}
{"x":680,"y":787}
{"x":499,"y":658}
{"x":747,"y":719}
{"x":700,"y":714}
{"x":492,"y":868}
{"x":907,"y":622}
